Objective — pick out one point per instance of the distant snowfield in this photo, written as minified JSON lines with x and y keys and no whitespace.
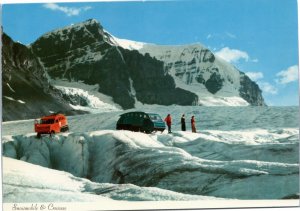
{"x":99,"y":103}
{"x":238,"y":153}
{"x":96,"y":102}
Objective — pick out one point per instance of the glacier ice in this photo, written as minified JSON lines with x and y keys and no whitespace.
{"x":122,"y":157}
{"x":247,"y":156}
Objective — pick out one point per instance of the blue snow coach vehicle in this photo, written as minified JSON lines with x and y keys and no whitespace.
{"x":141,"y":121}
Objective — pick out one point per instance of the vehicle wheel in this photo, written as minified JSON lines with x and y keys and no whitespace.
{"x":38,"y":135}
{"x":52,"y":133}
{"x":148,"y":126}
{"x":64,"y":129}
{"x":148,"y":131}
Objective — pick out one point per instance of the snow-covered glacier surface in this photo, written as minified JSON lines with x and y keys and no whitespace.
{"x":238,"y":153}
{"x":38,"y":184}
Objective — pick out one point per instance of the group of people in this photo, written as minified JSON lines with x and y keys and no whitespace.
{"x":168,"y":120}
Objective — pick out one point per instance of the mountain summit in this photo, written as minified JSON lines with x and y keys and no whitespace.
{"x":195,"y":68}
{"x":132,"y":72}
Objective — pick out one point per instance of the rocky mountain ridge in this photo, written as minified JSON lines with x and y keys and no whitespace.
{"x":26,"y":91}
{"x":148,"y":73}
{"x":85,"y":52}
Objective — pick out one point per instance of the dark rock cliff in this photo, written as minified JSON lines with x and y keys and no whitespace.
{"x":26,"y":92}
{"x":250,"y":91}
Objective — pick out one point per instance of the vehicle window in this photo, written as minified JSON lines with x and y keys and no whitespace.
{"x":47,"y":121}
{"x":155,"y":117}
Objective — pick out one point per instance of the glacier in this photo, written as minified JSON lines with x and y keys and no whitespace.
{"x":238,"y":153}
{"x":90,"y":102}
{"x":47,"y":185}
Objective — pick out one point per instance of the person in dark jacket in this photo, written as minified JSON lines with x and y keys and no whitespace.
{"x":193,"y":124}
{"x":168,"y":120}
{"x":183,"y":128}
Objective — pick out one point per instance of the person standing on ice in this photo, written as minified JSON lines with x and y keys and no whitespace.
{"x":183,"y":128}
{"x":168,"y":120}
{"x":193,"y":124}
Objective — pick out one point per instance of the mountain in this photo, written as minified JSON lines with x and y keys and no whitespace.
{"x":195,"y":68}
{"x":84,"y":52}
{"x":132,"y":72}
{"x":27,"y":92}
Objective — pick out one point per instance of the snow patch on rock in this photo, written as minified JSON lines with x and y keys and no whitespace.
{"x":127,"y":44}
{"x":94,"y":101}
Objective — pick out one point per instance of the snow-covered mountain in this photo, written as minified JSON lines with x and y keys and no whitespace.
{"x":84,"y":52}
{"x":27,"y":92}
{"x":194,"y":67}
{"x":132,"y":72}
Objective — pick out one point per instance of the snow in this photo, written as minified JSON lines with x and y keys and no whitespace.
{"x":9,"y":98}
{"x":94,"y":104}
{"x":97,"y":102}
{"x":252,"y":155}
{"x":25,"y":182}
{"x":20,"y":101}
{"x":274,"y":120}
{"x":127,"y":44}
{"x":12,"y":99}
{"x":11,"y":89}
{"x":227,"y":96}
{"x":46,"y":185}
{"x":124,"y":156}
{"x":221,"y":100}
{"x":133,"y":93}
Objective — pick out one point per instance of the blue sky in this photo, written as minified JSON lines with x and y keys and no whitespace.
{"x":260,"y":37}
